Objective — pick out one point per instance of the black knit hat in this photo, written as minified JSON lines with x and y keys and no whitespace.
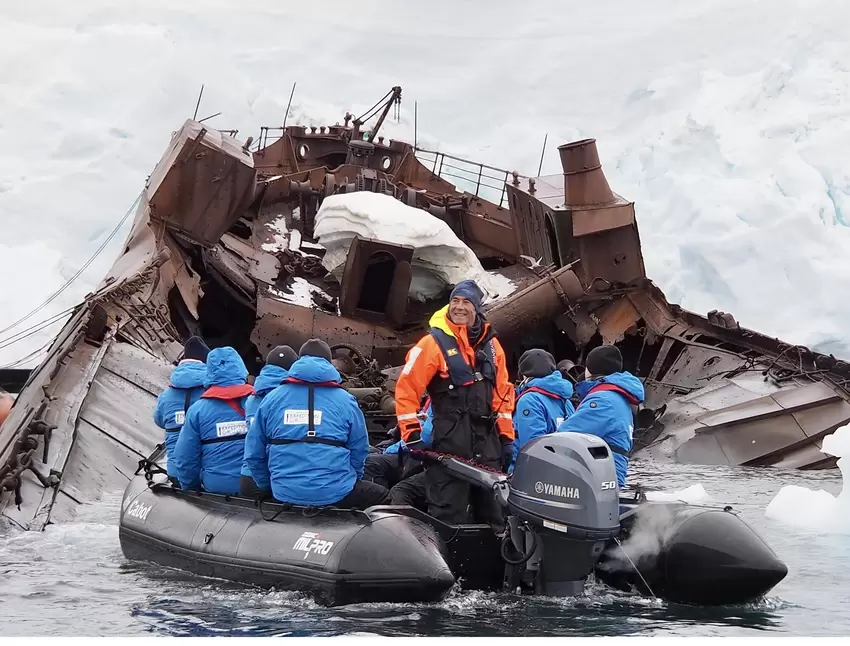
{"x":282,"y":356}
{"x":604,"y":360}
{"x":536,"y":363}
{"x":315,"y":348}
{"x":195,"y":348}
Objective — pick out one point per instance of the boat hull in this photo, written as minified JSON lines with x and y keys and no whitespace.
{"x":705,"y":556}
{"x":684,"y":554}
{"x":340,"y":557}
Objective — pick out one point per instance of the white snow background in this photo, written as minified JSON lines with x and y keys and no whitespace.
{"x":727,"y":122}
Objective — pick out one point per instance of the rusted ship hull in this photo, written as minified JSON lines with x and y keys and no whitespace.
{"x":206,"y":256}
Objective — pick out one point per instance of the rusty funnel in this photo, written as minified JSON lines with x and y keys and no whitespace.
{"x":584,"y":181}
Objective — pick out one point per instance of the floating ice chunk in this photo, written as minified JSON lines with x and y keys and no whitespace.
{"x":692,"y":495}
{"x":440,"y":257}
{"x":818,"y":510}
{"x":838,"y":444}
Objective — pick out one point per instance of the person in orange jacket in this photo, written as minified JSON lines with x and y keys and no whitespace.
{"x":462,"y":366}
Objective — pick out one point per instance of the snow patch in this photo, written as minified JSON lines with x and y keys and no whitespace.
{"x":294,"y":240}
{"x":282,"y":237}
{"x":440,"y":258}
{"x":818,"y":510}
{"x":278,"y":225}
{"x":301,"y":293}
{"x":278,"y":244}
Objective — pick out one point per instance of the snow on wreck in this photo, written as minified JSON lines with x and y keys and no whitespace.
{"x":335,"y":232}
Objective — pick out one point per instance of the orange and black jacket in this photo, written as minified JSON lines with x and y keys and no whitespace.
{"x":426,"y":360}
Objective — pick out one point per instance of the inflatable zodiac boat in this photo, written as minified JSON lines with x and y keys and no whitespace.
{"x":562,"y":498}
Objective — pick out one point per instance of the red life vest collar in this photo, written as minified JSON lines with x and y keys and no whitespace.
{"x":229,"y":395}
{"x":542,"y":391}
{"x":228,"y":392}
{"x":631,"y":399}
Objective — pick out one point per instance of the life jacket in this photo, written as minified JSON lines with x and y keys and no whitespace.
{"x":616,"y":389}
{"x":462,"y":401}
{"x":216,"y":392}
{"x":311,"y":437}
{"x":630,"y":399}
{"x":460,"y":373}
{"x":186,"y":403}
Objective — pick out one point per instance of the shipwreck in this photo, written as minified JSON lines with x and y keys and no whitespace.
{"x":228,"y":242}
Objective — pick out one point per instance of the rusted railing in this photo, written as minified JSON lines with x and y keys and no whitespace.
{"x":487,"y":182}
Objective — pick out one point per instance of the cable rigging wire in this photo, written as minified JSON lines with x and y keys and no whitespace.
{"x":73,"y":278}
{"x":79,"y":272}
{"x":37,"y":327}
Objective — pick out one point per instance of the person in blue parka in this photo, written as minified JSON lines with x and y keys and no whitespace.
{"x":608,"y":395}
{"x":278,"y":362}
{"x":185,"y":388}
{"x":308,"y":443}
{"x":209,"y":450}
{"x":543,"y":399}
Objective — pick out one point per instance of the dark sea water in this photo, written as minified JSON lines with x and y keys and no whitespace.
{"x":74,"y":580}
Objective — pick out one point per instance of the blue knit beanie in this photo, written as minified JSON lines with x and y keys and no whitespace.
{"x":469,"y":290}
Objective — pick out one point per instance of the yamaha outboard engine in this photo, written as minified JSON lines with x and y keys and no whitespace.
{"x":563,"y":495}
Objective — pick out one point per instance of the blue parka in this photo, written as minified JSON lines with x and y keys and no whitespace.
{"x":308,"y":473}
{"x":542,"y":404}
{"x":210,"y":447}
{"x":170,"y":412}
{"x":608,"y":414}
{"x":270,"y":377}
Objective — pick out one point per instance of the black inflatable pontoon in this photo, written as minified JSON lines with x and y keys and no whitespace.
{"x":563,"y":509}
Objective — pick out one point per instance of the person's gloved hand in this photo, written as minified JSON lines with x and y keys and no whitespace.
{"x":507,"y":453}
{"x":383,"y":446}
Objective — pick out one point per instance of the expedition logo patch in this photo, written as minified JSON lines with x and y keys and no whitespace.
{"x":226,"y":429}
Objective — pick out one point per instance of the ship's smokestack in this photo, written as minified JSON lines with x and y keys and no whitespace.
{"x":584,"y":181}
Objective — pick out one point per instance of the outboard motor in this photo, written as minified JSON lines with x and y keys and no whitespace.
{"x":563,"y":496}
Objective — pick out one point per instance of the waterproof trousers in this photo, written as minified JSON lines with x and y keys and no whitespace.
{"x":364,"y":494}
{"x":382,"y":469}
{"x":411,"y":491}
{"x":455,"y":502}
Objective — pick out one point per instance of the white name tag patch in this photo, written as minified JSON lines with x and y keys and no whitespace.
{"x":180,"y":417}
{"x":295,"y":416}
{"x":226,"y":429}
